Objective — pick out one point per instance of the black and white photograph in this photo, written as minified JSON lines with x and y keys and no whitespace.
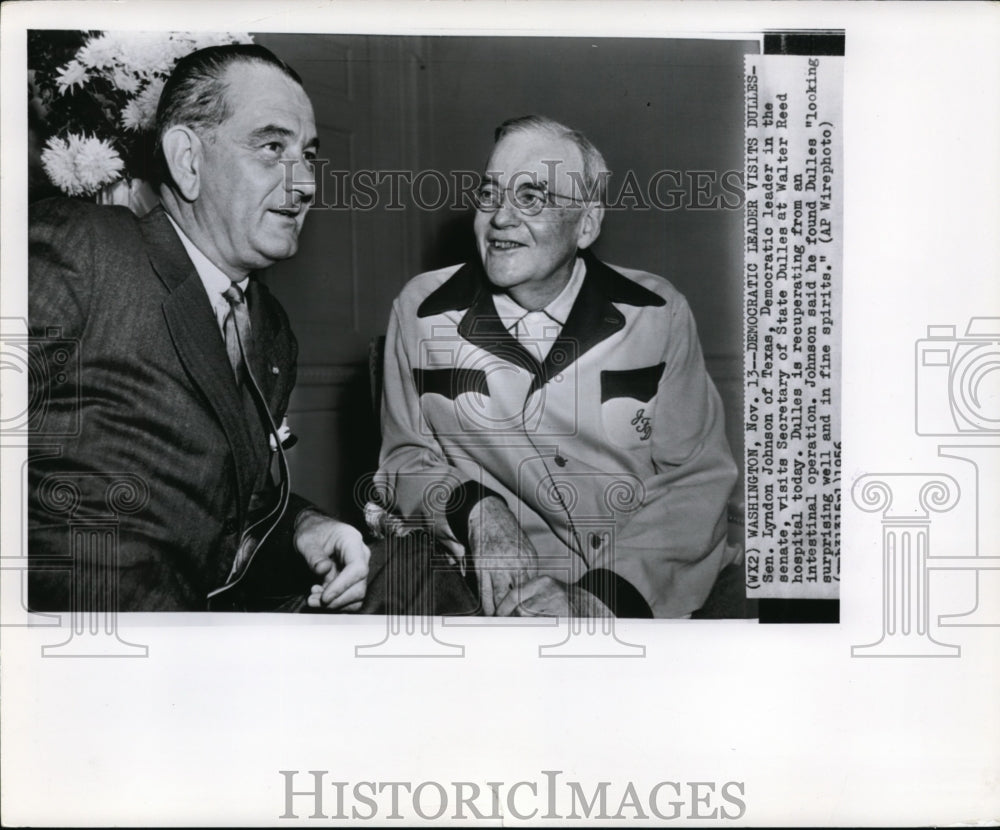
{"x":550,"y":443}
{"x":498,"y":413}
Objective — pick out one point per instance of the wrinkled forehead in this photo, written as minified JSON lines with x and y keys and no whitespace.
{"x":535,"y":155}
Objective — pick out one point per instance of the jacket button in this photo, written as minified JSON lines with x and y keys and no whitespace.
{"x":275,"y":370}
{"x":560,"y":461}
{"x":229,"y":526}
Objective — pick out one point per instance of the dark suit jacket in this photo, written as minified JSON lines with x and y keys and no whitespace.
{"x":142,"y":449}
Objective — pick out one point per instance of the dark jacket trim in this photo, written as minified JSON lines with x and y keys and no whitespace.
{"x":450,"y":382}
{"x":462,"y":288}
{"x":619,"y":288}
{"x":593,"y":318}
{"x":460,"y":503}
{"x":456,"y":293}
{"x":640,"y":384}
{"x":616,"y":592}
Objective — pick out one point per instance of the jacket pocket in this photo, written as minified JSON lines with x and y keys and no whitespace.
{"x":628,"y":401}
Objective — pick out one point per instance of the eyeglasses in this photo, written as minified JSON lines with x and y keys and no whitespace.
{"x":529,"y":199}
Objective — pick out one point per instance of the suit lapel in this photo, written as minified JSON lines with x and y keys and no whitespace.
{"x":199,"y":346}
{"x":265,"y":365}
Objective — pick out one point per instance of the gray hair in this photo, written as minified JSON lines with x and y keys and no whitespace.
{"x":595,"y":169}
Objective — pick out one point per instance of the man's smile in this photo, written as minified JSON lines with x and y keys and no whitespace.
{"x":504,"y":244}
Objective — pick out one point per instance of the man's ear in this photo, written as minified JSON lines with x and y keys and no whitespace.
{"x":182,"y":151}
{"x":590,"y":225}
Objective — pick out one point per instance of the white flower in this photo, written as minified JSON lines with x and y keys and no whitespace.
{"x":58,"y":163}
{"x":144,"y":53}
{"x":126,"y":59}
{"x":97,"y":163}
{"x":125,"y":80}
{"x":179,"y":44}
{"x":70,"y":75}
{"x":140,"y":112}
{"x":81,"y":165}
{"x":136,"y":64}
{"x":132,"y":116}
{"x":98,"y":52}
{"x":202,"y":40}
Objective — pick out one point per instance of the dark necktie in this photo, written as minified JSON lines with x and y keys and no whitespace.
{"x":239,"y":347}
{"x":237,"y":331}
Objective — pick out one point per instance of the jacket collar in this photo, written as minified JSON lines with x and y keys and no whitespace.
{"x":171,"y":262}
{"x":165,"y":249}
{"x":593,"y":318}
{"x":196,"y":338}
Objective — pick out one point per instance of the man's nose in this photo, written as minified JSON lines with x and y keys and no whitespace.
{"x":506,"y":215}
{"x":301,"y":178}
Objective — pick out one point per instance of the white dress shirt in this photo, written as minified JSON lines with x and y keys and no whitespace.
{"x":212,"y":277}
{"x":538,"y":330}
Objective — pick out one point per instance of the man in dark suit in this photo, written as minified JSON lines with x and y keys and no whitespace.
{"x":163,"y":369}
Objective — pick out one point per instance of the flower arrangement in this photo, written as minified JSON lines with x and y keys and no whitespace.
{"x":96,"y":93}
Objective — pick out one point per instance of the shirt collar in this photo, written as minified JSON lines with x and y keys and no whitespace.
{"x":558,"y":310}
{"x":213,"y":277}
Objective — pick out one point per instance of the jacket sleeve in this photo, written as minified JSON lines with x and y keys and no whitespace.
{"x":71,"y":249}
{"x":415,"y":479}
{"x":673,"y":546}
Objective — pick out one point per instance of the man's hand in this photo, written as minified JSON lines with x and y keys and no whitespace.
{"x":336,"y":552}
{"x":546,"y":596}
{"x":501,"y":554}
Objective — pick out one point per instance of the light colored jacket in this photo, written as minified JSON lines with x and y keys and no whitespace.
{"x":611,"y":452}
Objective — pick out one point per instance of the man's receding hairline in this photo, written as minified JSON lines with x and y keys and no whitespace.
{"x":594,"y":168}
{"x":255,"y":60}
{"x":542,"y":130}
{"x":230,"y":70}
{"x":227,"y":86}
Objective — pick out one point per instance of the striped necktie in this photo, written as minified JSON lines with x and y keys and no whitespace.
{"x":236,"y":329}
{"x":239,"y":347}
